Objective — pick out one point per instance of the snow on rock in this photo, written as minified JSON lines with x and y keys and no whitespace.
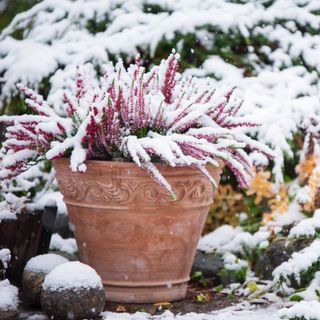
{"x":63,"y":245}
{"x":306,"y":310}
{"x":307,"y":227}
{"x":217,"y":238}
{"x":245,"y":241}
{"x":232,"y":263}
{"x":72,"y":275}
{"x":5,"y":257}
{"x":8,"y":296}
{"x":45,"y":262}
{"x":50,"y":203}
{"x":299,"y":262}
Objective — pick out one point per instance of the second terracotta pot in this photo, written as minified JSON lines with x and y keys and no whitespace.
{"x":140,"y":241}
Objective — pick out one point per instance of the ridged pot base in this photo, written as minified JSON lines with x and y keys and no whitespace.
{"x":139,"y":240}
{"x":148,"y":294}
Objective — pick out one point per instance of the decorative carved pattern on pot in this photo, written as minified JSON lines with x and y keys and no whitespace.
{"x":125,"y":193}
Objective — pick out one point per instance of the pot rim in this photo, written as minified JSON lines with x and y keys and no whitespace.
{"x":124,"y":167}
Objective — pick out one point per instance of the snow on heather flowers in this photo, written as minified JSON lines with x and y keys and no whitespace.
{"x":144,"y":116}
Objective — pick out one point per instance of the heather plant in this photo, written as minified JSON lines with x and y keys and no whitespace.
{"x":146,"y":117}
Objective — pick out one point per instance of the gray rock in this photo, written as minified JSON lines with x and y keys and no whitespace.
{"x":208,"y":264}
{"x":277,"y":252}
{"x":63,"y":226}
{"x":76,"y":304}
{"x":31,"y":286}
{"x":34,"y":274}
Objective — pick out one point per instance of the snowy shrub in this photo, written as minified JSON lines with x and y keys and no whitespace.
{"x":227,"y":239}
{"x":312,"y":292}
{"x":300,"y":269}
{"x":305,"y":310}
{"x":19,"y":194}
{"x":307,"y":228}
{"x":235,"y":269}
{"x":308,"y":195}
{"x":143,"y":116}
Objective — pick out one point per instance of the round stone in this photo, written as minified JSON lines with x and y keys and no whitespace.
{"x":34,"y":273}
{"x":8,"y":301}
{"x":72,"y":291}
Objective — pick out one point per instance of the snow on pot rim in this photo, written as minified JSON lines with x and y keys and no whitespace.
{"x":45,"y":262}
{"x":72,"y":275}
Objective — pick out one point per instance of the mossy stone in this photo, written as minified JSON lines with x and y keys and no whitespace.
{"x":32,"y":286}
{"x":73,"y":303}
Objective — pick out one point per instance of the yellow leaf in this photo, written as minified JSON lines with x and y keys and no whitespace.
{"x":252,"y":286}
{"x":201,"y":297}
{"x":280,"y":202}
{"x":306,"y":166}
{"x":260,"y":186}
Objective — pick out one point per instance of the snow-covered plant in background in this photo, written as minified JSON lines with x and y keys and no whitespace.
{"x":21,"y":193}
{"x":299,"y":270}
{"x":143,"y":116}
{"x":308,"y":195}
{"x":305,"y":310}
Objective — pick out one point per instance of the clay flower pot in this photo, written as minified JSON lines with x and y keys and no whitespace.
{"x":140,"y":241}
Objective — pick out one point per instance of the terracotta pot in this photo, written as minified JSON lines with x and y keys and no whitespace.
{"x":140,"y":241}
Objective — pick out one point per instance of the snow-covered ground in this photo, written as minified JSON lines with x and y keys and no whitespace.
{"x":232,"y":313}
